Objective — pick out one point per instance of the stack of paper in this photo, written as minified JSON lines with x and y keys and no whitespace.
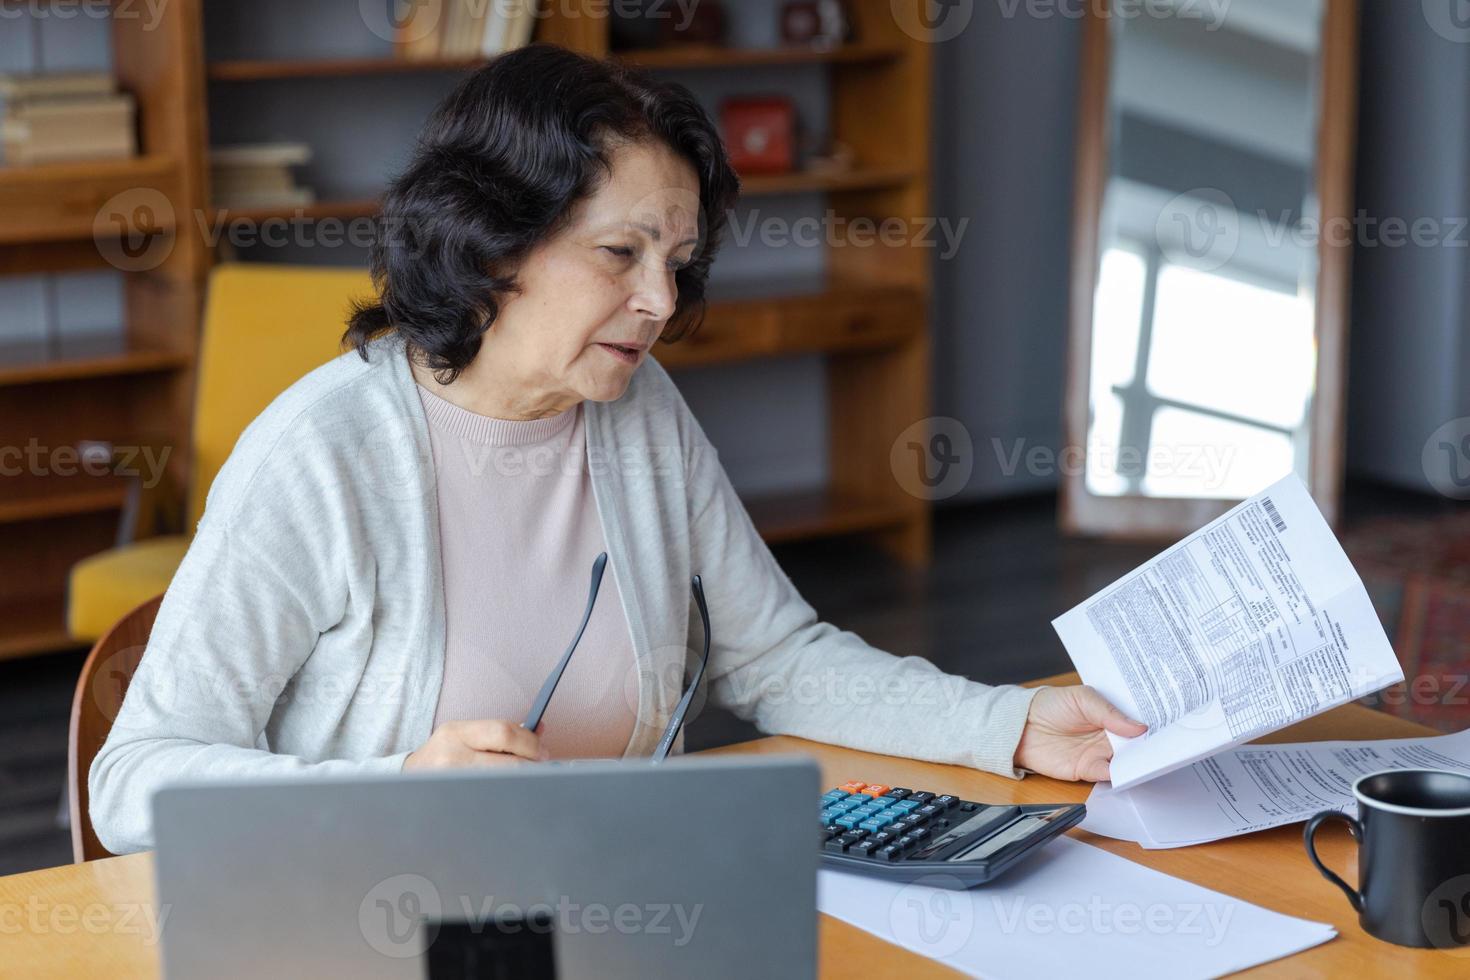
{"x":1072,"y":910}
{"x":1250,"y":624}
{"x":1256,"y":787}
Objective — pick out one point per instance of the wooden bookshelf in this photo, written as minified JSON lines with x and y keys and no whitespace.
{"x":57,"y":394}
{"x":79,"y":358}
{"x":33,"y":626}
{"x":822,"y":513}
{"x":830,"y":315}
{"x":866,"y":315}
{"x":697,"y":57}
{"x":344,"y":209}
{"x":759,"y":185}
{"x":60,"y":201}
{"x":694,"y":58}
{"x":268,"y":69}
{"x":36,"y":498}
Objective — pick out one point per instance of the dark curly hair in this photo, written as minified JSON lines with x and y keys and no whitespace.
{"x":496,"y":170}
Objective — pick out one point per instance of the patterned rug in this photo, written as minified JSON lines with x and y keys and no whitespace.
{"x":1417,"y":572}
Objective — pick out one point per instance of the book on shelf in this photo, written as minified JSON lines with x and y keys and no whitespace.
{"x":16,"y":88}
{"x":65,"y":116}
{"x":510,"y":26}
{"x":258,"y":175}
{"x":294,"y":197}
{"x":465,"y":29}
{"x":282,"y":154}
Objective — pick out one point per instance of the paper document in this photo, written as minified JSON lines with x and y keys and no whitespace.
{"x":1254,"y":622}
{"x":1255,"y":787}
{"x":1072,"y":910}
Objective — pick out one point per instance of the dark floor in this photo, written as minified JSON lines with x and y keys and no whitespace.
{"x":1001,"y":573}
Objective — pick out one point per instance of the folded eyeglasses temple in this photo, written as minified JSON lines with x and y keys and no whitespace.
{"x":544,"y":698}
{"x":533,"y":719}
{"x":677,"y":722}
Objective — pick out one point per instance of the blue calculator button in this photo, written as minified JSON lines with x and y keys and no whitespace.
{"x":842,"y":806}
{"x":848,"y":820}
{"x":829,"y":817}
{"x":883,"y":801}
{"x":905,"y":805}
{"x":860,"y":798}
{"x":876,"y":822}
{"x":833,"y":796}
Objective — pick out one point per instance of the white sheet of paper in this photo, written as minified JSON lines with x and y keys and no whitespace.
{"x":1254,"y":622}
{"x":1254,"y":787}
{"x":1072,"y":910}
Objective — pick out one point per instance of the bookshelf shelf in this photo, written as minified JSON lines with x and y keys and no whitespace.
{"x":36,"y":498}
{"x":33,"y":626}
{"x":759,"y":185}
{"x":60,"y":201}
{"x":859,"y":178}
{"x":269,"y":69}
{"x":831,"y":316}
{"x":347,"y":208}
{"x":701,"y":57}
{"x":822,"y":513}
{"x":75,"y":359}
{"x":690,"y":57}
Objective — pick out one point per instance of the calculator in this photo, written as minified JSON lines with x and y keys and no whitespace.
{"x":903,"y":835}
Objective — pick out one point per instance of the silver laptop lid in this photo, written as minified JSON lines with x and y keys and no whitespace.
{"x":698,"y":867}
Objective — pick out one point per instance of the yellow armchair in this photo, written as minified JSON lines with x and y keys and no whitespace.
{"x":265,"y":326}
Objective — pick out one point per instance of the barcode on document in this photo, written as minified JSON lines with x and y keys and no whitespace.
{"x":1274,"y":515}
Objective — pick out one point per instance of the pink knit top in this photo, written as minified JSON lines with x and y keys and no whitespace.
{"x":519,"y":530}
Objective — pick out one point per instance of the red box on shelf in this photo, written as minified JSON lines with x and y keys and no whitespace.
{"x":760,"y":134}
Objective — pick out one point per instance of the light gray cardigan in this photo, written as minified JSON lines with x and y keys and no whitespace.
{"x":303,"y":634}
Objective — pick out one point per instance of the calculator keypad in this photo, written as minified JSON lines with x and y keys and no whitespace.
{"x":881,"y":822}
{"x":902,"y":834}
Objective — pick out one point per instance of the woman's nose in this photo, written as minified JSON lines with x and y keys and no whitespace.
{"x":656,"y":295}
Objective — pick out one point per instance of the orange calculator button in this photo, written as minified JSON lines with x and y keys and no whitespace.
{"x":853,"y":787}
{"x":875,"y":789}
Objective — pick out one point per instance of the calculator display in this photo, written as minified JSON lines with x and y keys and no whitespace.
{"x":1017,"y":831}
{"x":996,"y":815}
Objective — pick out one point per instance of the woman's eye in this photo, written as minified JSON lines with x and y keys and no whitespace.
{"x":621,"y":251}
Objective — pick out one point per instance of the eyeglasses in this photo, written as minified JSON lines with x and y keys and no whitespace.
{"x":666,"y":743}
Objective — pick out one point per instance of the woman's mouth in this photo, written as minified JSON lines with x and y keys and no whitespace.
{"x":628,"y":355}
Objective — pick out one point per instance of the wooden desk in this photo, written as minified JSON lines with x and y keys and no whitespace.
{"x":93,"y":924}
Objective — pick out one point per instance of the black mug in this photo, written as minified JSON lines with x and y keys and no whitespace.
{"x":1413,"y":834}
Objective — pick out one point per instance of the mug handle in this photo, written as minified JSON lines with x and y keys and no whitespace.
{"x":1309,"y":836}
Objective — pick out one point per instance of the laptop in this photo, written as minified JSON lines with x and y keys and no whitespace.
{"x":608,"y":868}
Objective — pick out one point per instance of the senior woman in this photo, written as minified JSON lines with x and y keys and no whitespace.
{"x":397,"y":549}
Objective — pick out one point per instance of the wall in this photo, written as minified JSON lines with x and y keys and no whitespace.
{"x":1410,"y":368}
{"x":1005,"y":111}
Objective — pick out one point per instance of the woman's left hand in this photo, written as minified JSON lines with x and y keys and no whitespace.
{"x":1064,"y":734}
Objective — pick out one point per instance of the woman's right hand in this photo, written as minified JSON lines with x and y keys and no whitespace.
{"x":481,"y":742}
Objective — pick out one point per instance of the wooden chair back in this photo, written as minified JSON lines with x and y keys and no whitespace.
{"x":104,"y":680}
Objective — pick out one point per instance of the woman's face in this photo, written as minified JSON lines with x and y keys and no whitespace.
{"x":604,"y":282}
